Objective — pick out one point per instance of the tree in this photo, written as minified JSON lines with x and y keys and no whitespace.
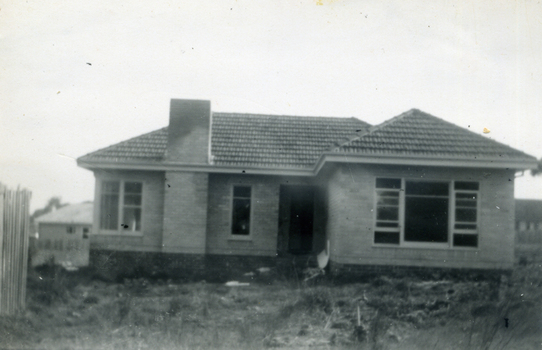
{"x":53,"y":204}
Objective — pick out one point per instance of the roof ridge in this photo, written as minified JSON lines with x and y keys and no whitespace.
{"x":228,"y":114}
{"x":373,"y":128}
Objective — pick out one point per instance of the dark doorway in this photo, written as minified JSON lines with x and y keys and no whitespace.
{"x":298,"y":217}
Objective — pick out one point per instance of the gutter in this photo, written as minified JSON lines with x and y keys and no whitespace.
{"x":327,"y":157}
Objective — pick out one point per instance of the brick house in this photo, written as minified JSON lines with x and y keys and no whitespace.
{"x":220,"y":189}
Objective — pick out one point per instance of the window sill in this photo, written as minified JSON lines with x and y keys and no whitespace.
{"x":239,"y":238}
{"x":119,"y":233}
{"x":424,"y":246}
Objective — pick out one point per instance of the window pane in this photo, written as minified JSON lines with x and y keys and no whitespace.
{"x":468,"y":215}
{"x":465,"y":226}
{"x":387,"y":224}
{"x":133,"y":187}
{"x":472,"y":196}
{"x":387,"y":201}
{"x":387,"y":213}
{"x":109,"y":211}
{"x":463,"y":185}
{"x":388,"y":183}
{"x":427,"y":188}
{"x":110,"y":187}
{"x":465,"y":203}
{"x":241,"y":191}
{"x":387,"y":237}
{"x":132,"y":199}
{"x":426,"y":219}
{"x":241,"y":217}
{"x":467,"y":240}
{"x":394,"y":194}
{"x":132,"y":219}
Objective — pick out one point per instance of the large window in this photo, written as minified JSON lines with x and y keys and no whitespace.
{"x":413,"y":212}
{"x":240,"y":223}
{"x":120,"y":206}
{"x":426,"y":212}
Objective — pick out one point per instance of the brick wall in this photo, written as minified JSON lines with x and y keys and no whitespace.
{"x":351,"y":216}
{"x":117,"y":265}
{"x":150,"y":238}
{"x":358,"y":273}
{"x":185,"y":212}
{"x":264,"y":214}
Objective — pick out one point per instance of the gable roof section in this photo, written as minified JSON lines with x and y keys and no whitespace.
{"x":71,"y":214}
{"x":251,"y":140}
{"x":418,"y":134}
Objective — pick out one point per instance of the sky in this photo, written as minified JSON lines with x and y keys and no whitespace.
{"x":77,"y":76}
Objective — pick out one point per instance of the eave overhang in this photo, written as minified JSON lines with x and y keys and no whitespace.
{"x":329,"y":157}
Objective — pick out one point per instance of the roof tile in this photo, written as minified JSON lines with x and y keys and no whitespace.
{"x":416,"y":133}
{"x":269,"y":141}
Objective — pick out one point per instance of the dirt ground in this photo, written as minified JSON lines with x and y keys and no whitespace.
{"x":78,"y":310}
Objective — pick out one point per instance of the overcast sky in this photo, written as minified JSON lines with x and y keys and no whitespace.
{"x":78,"y":75}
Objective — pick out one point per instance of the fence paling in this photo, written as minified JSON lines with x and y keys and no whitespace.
{"x":14,"y":227}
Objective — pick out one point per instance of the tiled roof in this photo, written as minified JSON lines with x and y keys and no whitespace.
{"x":270,"y":141}
{"x":149,"y":147}
{"x":416,"y":133}
{"x":75,"y":213}
{"x":246,"y":140}
{"x":276,"y":141}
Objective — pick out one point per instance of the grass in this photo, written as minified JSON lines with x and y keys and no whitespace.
{"x":75,"y":311}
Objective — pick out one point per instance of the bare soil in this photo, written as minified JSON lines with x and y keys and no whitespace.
{"x":76,"y":310}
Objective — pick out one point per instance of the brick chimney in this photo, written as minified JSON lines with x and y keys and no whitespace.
{"x":189,"y":131}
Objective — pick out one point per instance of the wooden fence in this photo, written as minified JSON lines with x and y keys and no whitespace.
{"x":14,"y":230}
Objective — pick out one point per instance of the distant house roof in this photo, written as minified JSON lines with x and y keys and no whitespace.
{"x":71,"y":214}
{"x":529,"y":210}
{"x":271,"y":142}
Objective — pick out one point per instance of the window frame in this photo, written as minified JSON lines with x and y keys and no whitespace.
{"x":472,"y":232}
{"x":239,"y":237}
{"x":402,"y":206}
{"x":120,"y":230}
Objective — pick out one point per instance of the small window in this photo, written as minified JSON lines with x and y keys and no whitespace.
{"x":109,"y":205}
{"x":466,"y":214}
{"x":241,"y":210}
{"x":70,"y":229}
{"x":131,"y":215}
{"x":387,"y":211}
{"x":121,"y":206}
